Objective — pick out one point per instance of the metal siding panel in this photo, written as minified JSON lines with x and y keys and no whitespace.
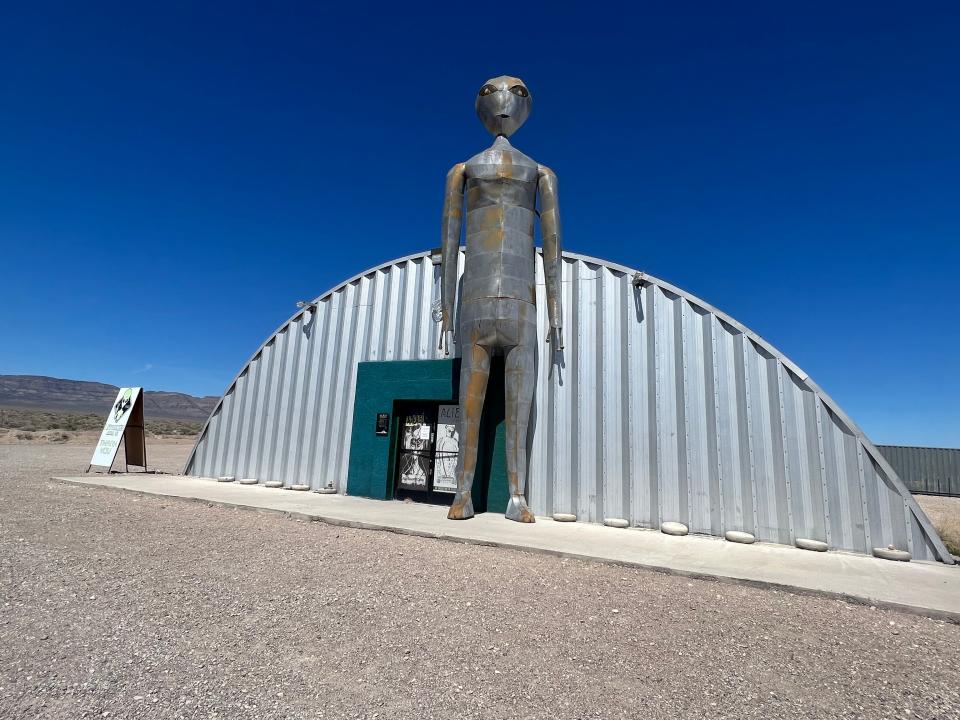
{"x":562,"y":449}
{"x":613,"y":478}
{"x":667,"y":393}
{"x":221,"y":439}
{"x":585,"y":377}
{"x":641,"y":478}
{"x":243,"y":392}
{"x":289,"y":430}
{"x":653,"y":470}
{"x":273,"y":419}
{"x":308,"y":407}
{"x":346,"y":377}
{"x":408,"y":318}
{"x":762,"y":443}
{"x":331,"y":340}
{"x":539,"y":488}
{"x":628,"y":320}
{"x":695,"y":410}
{"x":322,"y":353}
{"x":782,"y":458}
{"x":745,"y":437}
{"x":728,"y":430}
{"x":712,"y":409}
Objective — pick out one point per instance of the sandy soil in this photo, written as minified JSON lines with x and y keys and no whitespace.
{"x":115,"y":605}
{"x":944,"y":513}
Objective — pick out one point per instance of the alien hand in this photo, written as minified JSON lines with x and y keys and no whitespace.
{"x":555,"y":338}
{"x":445,"y":332}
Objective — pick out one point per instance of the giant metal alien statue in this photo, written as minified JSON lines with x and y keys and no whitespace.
{"x":498,"y":310}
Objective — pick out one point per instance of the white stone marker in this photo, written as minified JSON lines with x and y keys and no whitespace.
{"x":248,"y":481}
{"x":564,"y":517}
{"x":301,"y":488}
{"x":890,"y":552}
{"x":226,"y":478}
{"x":273,"y":484}
{"x":808,"y":544}
{"x":738,"y":536}
{"x":674,"y":528}
{"x":616,"y":522}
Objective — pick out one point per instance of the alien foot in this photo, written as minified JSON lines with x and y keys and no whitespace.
{"x":518,"y":511}
{"x":462,"y":507}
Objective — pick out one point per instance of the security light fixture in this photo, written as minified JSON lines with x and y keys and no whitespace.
{"x":306,"y":304}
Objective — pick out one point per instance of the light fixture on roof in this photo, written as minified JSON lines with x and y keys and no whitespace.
{"x":302,"y":304}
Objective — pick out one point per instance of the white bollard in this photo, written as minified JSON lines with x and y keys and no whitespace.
{"x":616,"y":522}
{"x":890,"y":552}
{"x":808,"y":544}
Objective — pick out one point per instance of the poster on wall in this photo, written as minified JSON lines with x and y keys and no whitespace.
{"x":415,"y":452}
{"x":124,"y":421}
{"x":448,"y":448}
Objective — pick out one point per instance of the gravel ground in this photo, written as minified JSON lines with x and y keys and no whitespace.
{"x":115,"y":605}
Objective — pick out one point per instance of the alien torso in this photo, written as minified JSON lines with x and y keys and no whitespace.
{"x":501,"y":195}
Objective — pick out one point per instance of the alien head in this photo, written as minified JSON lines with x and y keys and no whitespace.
{"x":503,"y":105}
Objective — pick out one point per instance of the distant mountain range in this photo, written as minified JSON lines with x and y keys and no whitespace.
{"x":47,"y":393}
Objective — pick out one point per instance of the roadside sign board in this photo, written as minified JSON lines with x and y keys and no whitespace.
{"x":124,"y":421}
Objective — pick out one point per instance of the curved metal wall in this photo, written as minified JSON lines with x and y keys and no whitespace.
{"x":663,"y":408}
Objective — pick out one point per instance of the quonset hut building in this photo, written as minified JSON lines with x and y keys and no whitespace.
{"x":661,"y":408}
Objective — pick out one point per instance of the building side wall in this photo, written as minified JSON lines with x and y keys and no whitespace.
{"x":932,"y":471}
{"x":660,"y":408}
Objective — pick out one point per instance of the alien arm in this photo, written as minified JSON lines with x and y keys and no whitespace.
{"x":550,"y":231}
{"x":450,"y":248}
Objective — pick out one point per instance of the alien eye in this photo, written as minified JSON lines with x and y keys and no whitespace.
{"x":487,"y":90}
{"x":519,"y":90}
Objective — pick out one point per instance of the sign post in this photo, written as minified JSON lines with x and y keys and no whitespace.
{"x":125,"y":420}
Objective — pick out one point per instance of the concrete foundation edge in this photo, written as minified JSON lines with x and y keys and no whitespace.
{"x":936,"y":614}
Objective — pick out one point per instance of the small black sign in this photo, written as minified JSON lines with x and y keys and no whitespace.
{"x":383,"y":423}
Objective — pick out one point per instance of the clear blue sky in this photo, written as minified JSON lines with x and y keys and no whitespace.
{"x":173,"y":177}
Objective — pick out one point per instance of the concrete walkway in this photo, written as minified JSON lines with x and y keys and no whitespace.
{"x":929,"y":589}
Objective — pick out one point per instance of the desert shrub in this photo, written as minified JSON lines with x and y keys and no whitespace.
{"x":24,"y":436}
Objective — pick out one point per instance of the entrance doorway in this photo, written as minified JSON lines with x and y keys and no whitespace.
{"x":427,"y":450}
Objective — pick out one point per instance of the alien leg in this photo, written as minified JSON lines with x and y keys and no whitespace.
{"x":519,"y":379}
{"x":474,"y":373}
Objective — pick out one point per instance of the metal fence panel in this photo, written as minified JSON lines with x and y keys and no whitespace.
{"x":930,"y":471}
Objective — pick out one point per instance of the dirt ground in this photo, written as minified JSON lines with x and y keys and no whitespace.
{"x":115,"y":605}
{"x":944,"y":513}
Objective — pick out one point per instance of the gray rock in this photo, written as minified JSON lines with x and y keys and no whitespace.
{"x":616,"y":522}
{"x":738,"y":536}
{"x":564,"y":517}
{"x":891,"y":553}
{"x":674,"y":528}
{"x":808,"y":544}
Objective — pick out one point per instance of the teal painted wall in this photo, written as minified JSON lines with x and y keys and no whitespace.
{"x":380,"y":385}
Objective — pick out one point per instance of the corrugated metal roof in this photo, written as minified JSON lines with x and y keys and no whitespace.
{"x":933,"y":471}
{"x":663,"y":409}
